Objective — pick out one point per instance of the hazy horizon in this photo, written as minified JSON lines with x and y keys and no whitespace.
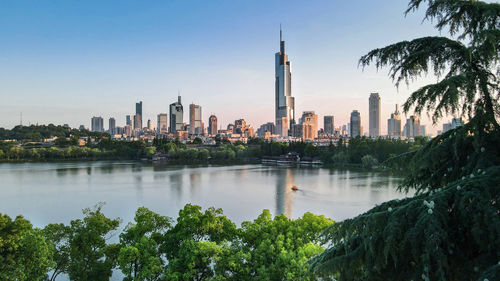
{"x":64,"y":62}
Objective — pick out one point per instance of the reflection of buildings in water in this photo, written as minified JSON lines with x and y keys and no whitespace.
{"x":176,"y":182}
{"x":284,"y":196}
{"x":194,"y":180}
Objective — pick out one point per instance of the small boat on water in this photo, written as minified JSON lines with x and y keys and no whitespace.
{"x":295,"y":188}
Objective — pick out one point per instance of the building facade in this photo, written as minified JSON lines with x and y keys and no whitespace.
{"x":176,"y":115}
{"x":374,"y":115}
{"x":162,"y":123}
{"x":412,"y":127}
{"x":212,"y":125}
{"x":112,"y":126}
{"x":285,"y":103}
{"x":394,"y":124}
{"x":97,"y":124}
{"x":328,"y":125}
{"x":138,"y":116}
{"x":355,"y":124}
{"x":195,"y":123}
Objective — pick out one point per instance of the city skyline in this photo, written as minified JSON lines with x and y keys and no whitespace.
{"x":71,"y":83}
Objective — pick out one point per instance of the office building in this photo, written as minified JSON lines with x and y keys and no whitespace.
{"x":266,"y":128}
{"x":355,"y":124}
{"x":309,"y":122}
{"x":394,"y":124}
{"x":412,"y":127}
{"x":285,"y":103}
{"x":212,"y":125}
{"x":138,"y":116}
{"x":328,"y":125}
{"x":162,"y":123}
{"x":151,"y":126}
{"x":112,"y":126}
{"x":176,"y":115}
{"x":128,"y":120}
{"x":374,"y":115}
{"x":97,"y":124}
{"x":195,"y":123}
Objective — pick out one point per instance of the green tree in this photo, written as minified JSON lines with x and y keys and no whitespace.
{"x":139,"y":257}
{"x":90,"y":257}
{"x":58,"y":237}
{"x":449,"y":230}
{"x":24,"y":252}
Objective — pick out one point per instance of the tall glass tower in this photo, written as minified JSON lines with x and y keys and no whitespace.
{"x":285,"y":103}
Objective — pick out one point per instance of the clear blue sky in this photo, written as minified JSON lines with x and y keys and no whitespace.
{"x":66,"y":61}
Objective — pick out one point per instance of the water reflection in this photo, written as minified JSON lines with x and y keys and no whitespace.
{"x":284,"y":196}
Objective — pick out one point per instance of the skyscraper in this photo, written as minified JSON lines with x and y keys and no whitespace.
{"x":394,"y":124}
{"x":176,"y":115}
{"x":374,"y":115}
{"x":162,"y":123}
{"x":195,"y":123}
{"x":97,"y":124}
{"x":112,"y":126}
{"x":355,"y":124}
{"x":412,"y":127}
{"x":128,"y":120}
{"x":212,"y":125}
{"x":285,"y":103}
{"x":328,"y":125}
{"x":309,"y":122}
{"x":138,"y":116}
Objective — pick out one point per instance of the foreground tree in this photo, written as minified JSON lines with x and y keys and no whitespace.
{"x":24,"y":252}
{"x":449,"y":230}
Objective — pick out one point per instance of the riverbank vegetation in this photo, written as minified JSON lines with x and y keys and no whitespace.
{"x":198,"y":245}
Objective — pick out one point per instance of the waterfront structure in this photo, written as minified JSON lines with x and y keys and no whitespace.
{"x":176,"y":116}
{"x":162,"y":123}
{"x":285,"y":103}
{"x":355,"y":124}
{"x":412,"y":127}
{"x":97,"y":124}
{"x":374,"y":115}
{"x":394,"y":124}
{"x":138,"y":116}
{"x":112,"y":126}
{"x":128,"y":120}
{"x":195,"y":123}
{"x":212,"y":125}
{"x":328,"y":125}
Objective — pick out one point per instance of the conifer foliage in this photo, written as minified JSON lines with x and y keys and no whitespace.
{"x":450,"y":229}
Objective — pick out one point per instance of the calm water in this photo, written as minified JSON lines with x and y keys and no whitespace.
{"x":57,"y":192}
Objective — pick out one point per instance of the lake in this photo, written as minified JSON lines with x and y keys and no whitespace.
{"x":57,"y":192}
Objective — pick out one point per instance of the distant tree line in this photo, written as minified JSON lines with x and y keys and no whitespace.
{"x":39,"y":132}
{"x":198,"y":245}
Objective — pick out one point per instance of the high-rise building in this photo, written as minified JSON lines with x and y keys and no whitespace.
{"x":97,"y":124}
{"x":176,"y":116}
{"x":309,"y":122}
{"x":112,"y":126}
{"x":138,"y":113}
{"x":328,"y":125}
{"x":285,"y":103}
{"x":355,"y":124}
{"x":446,"y":127}
{"x":423,"y":131}
{"x":151,"y":125}
{"x":137,"y":122}
{"x":266,"y":128}
{"x":412,"y":127}
{"x":456,"y":122}
{"x":212,"y":125}
{"x":374,"y":115}
{"x":128,"y":120}
{"x":195,"y":123}
{"x":394,"y":124}
{"x":162,"y":123}
{"x":241,"y":127}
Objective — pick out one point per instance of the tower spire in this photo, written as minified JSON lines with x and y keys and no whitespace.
{"x":281,"y":34}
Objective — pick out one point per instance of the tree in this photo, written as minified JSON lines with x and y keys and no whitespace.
{"x":58,"y":237}
{"x":90,"y":257}
{"x":24,"y":252}
{"x":139,"y":257}
{"x":449,"y":230}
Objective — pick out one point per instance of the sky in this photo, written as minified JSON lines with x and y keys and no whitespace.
{"x":65,"y":61}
